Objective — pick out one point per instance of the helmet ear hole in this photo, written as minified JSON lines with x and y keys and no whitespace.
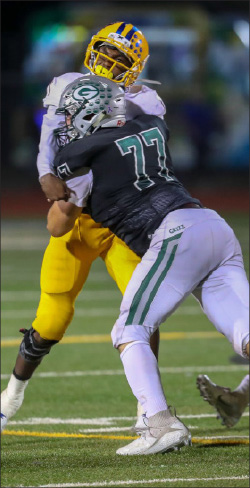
{"x":88,"y":116}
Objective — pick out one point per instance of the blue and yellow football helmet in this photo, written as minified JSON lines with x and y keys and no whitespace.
{"x":127,"y":39}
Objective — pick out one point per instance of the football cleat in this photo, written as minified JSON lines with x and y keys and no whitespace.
{"x":3,"y":421}
{"x":165,"y":433}
{"x":228,"y":405}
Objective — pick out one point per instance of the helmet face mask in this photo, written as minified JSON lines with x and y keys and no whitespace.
{"x":129,"y":41}
{"x":96,"y":67}
{"x":89,"y":103}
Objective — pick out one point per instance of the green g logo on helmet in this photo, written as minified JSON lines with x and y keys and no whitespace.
{"x":89,"y":103}
{"x":87,"y":92}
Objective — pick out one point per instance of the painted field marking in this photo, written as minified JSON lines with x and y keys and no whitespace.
{"x":102,"y":338}
{"x":120,"y":429}
{"x":9,"y":274}
{"x":223,"y":440}
{"x":118,"y":372}
{"x":104,"y":421}
{"x":87,"y":295}
{"x":65,"y":435}
{"x":91,"y":312}
{"x":144,"y":482}
{"x":29,"y":313}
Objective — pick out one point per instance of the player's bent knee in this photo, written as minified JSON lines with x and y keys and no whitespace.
{"x":54,"y":314}
{"x":241,"y":344}
{"x":33,"y":347}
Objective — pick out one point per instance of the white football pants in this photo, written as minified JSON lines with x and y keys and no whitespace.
{"x":193,"y":251}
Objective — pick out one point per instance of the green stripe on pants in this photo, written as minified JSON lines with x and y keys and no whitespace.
{"x":148,"y":278}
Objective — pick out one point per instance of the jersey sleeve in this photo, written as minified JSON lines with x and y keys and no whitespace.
{"x":47,"y":146}
{"x":56,"y":88}
{"x":146,"y":101}
{"x":74,"y":158}
{"x":81,"y":187}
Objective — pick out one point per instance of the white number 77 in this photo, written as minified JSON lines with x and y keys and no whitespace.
{"x":133,"y":144}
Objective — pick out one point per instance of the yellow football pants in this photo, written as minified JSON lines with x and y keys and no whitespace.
{"x":65,"y":268}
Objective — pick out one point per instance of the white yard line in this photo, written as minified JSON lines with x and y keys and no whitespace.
{"x":123,"y":429}
{"x":104,"y":421}
{"x":80,"y":312}
{"x":9,"y":274}
{"x":138,"y":482}
{"x":29,"y":295}
{"x":117,"y":372}
{"x":91,"y":312}
{"x":224,"y":436}
{"x":27,"y":243}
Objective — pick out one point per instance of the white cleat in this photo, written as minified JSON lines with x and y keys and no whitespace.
{"x":165,"y":432}
{"x":3,"y":421}
{"x":228,"y":404}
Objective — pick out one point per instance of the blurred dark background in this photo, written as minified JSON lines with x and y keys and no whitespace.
{"x":199,"y":51}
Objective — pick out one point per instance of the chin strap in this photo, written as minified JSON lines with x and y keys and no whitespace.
{"x":97,"y":122}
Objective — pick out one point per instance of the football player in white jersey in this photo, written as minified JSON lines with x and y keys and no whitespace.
{"x":119,"y":52}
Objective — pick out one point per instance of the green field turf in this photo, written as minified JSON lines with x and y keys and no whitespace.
{"x":80,"y":389}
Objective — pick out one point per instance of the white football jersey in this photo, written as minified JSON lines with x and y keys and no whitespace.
{"x":144,"y":101}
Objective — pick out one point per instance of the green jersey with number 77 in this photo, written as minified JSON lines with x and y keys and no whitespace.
{"x":134,"y":185}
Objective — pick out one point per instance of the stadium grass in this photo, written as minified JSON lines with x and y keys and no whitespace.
{"x":36,"y":461}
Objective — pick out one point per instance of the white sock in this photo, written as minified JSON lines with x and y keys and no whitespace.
{"x":16,"y":387}
{"x":12,"y":397}
{"x":142,"y":372}
{"x":243,"y":387}
{"x":140,"y":410}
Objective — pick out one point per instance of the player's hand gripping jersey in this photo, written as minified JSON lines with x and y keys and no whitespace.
{"x":145,"y":100}
{"x":134,"y":186}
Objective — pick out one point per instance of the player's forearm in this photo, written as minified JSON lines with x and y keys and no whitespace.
{"x":61,"y":218}
{"x":47,"y":146}
{"x":53,"y":187}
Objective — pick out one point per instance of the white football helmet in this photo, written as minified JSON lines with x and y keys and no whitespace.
{"x":89,"y":103}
